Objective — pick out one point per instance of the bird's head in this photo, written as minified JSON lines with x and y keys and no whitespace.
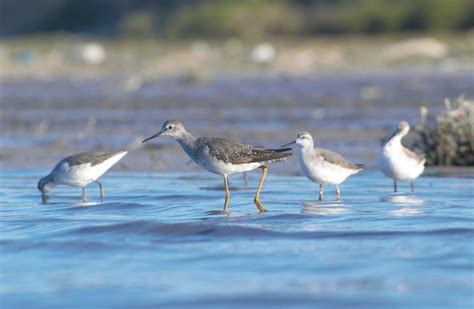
{"x":403,"y":128}
{"x":46,"y":184}
{"x":173,"y":128}
{"x":398,"y":132}
{"x":303,"y":139}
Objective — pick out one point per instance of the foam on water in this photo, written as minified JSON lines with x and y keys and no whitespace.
{"x":160,"y":239}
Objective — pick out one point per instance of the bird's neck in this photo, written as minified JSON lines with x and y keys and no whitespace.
{"x":396,"y":140}
{"x":188,"y":142}
{"x":306,"y":149}
{"x":48,"y":178}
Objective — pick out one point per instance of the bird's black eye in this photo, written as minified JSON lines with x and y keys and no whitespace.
{"x":169,"y":127}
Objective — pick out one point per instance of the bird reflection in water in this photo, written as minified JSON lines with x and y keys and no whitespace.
{"x":323,"y":208}
{"x":408,"y":204}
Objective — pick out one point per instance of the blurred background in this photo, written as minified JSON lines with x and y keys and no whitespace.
{"x":79,"y":75}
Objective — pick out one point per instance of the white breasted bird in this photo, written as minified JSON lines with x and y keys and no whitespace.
{"x":321,"y":165}
{"x":79,"y":170}
{"x":398,"y":162}
{"x":223,"y":156}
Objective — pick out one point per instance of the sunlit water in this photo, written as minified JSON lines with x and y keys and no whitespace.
{"x":157,"y":240}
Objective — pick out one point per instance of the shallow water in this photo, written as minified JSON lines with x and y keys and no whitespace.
{"x":158,"y":239}
{"x":347,"y":112}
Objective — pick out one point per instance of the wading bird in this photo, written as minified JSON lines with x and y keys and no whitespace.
{"x":398,"y":162}
{"x":79,"y":170}
{"x":321,"y":165}
{"x":223,"y":156}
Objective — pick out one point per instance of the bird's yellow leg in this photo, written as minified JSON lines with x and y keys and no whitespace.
{"x":227,"y":193}
{"x":257,"y":195}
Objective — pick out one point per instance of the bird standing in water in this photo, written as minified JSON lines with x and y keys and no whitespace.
{"x":79,"y":170}
{"x":223,"y":156}
{"x":321,"y":165}
{"x":398,"y":162}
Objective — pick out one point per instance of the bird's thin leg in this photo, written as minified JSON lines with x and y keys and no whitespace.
{"x":101,"y":189}
{"x":84,"y":197}
{"x":321,"y":191}
{"x":246,"y":179}
{"x":394,"y":185}
{"x":257,"y":195}
{"x":412,"y":186}
{"x":227,"y":193}
{"x":338,"y":193}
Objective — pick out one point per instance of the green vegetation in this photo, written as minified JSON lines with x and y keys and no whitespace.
{"x":451,"y":140}
{"x":253,"y":17}
{"x":244,"y":18}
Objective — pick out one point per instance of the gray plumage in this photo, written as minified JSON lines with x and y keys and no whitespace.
{"x":223,"y":156}
{"x":235,"y":152}
{"x":418,"y":158}
{"x":93,"y":158}
{"x":335,"y":158}
{"x":323,"y":166}
{"x":219,"y":149}
{"x":79,"y":170}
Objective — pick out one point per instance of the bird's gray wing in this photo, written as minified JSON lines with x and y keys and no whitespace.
{"x":418,"y":158}
{"x":337,"y":159}
{"x":235,"y":152}
{"x":93,"y":158}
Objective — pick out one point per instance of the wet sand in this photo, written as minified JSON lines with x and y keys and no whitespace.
{"x":348,"y":112}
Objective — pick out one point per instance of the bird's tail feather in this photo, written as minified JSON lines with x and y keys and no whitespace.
{"x":272,"y":155}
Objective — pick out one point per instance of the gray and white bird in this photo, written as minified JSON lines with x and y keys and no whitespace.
{"x":79,"y":170}
{"x":398,"y":162}
{"x":223,"y":156}
{"x":321,"y":165}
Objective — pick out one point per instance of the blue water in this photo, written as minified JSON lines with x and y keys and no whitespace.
{"x":156,"y":240}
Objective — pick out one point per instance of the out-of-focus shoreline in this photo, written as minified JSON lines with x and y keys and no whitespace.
{"x":43,"y":121}
{"x":82,"y":57}
{"x":49,"y":112}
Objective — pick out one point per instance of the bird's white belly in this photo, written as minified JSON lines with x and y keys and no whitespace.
{"x":324,"y":172}
{"x":77,"y":176}
{"x":395,"y":164}
{"x":222,"y":168}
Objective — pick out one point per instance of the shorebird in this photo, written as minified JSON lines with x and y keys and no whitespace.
{"x":323,"y":166}
{"x":398,"y":162}
{"x":223,"y":156}
{"x":79,"y":170}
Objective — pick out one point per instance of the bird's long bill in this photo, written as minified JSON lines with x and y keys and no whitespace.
{"x":290,"y":143}
{"x":152,"y":137}
{"x":391,"y":135}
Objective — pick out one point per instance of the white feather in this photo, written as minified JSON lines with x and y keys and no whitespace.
{"x":321,"y":171}
{"x":395,"y":164}
{"x":83,"y":174}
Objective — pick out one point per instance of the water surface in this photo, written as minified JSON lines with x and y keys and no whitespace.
{"x":156,"y":240}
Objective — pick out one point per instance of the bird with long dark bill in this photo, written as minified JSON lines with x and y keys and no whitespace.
{"x":223,"y":156}
{"x":321,"y":165}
